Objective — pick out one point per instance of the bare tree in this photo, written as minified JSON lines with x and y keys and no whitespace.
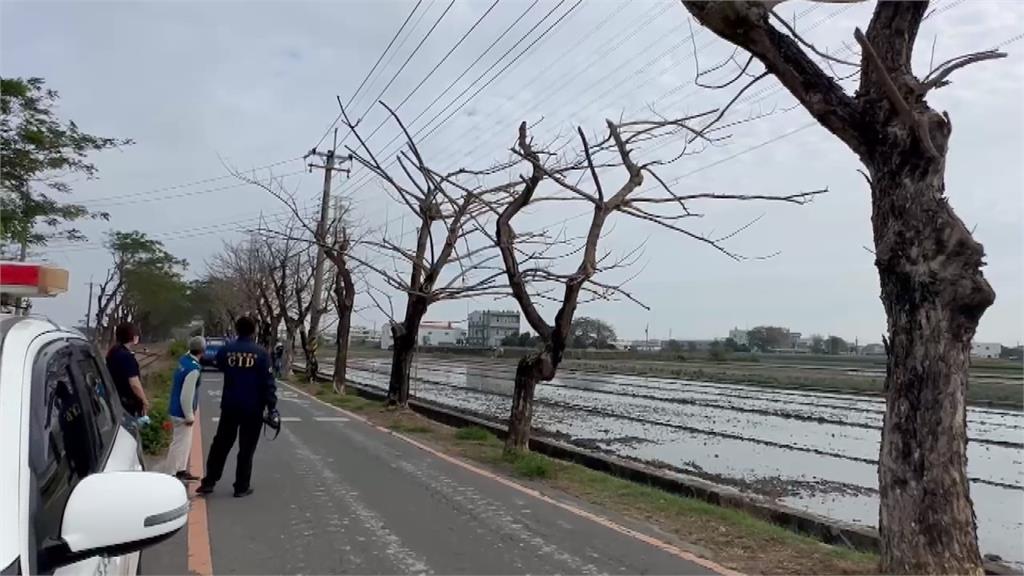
{"x":337,"y":242}
{"x":527,"y":258}
{"x":445,"y":212}
{"x":929,"y":265}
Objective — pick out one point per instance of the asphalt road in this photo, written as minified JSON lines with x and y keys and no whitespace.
{"x":337,"y":495}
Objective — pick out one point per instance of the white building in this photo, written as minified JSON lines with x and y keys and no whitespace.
{"x":985,"y":349}
{"x":441,"y":334}
{"x":431,"y":334}
{"x":739,"y":336}
{"x":487,"y":328}
{"x":360,"y":334}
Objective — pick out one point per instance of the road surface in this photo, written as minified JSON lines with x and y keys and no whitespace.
{"x":334,"y":494}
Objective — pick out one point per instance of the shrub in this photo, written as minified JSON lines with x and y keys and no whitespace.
{"x":473,"y":434}
{"x":530,"y":465}
{"x":156,"y":435}
{"x":178,"y":348}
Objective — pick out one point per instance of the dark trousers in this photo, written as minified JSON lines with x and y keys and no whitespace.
{"x":246,"y":427}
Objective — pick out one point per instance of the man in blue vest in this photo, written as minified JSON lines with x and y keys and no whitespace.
{"x":183,"y":405}
{"x":249,"y":390}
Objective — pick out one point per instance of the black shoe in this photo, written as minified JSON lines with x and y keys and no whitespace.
{"x":204,"y":489}
{"x":243,"y":493}
{"x":186,"y":476}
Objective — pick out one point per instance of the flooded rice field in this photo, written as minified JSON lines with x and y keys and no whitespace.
{"x":814,"y":451}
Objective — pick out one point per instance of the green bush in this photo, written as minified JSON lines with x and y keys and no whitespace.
{"x":530,"y":465}
{"x":178,"y":348}
{"x":156,"y":435}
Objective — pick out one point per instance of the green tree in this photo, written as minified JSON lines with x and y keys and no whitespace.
{"x":588,"y":332}
{"x":818,"y":344}
{"x":39,"y":152}
{"x":837,"y":345}
{"x":144,"y":286}
{"x":768,"y":337}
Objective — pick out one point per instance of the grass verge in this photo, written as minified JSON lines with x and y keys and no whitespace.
{"x":156,"y":435}
{"x":729,"y":537}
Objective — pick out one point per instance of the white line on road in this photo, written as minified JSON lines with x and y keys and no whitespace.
{"x":290,"y":419}
{"x":330,"y":419}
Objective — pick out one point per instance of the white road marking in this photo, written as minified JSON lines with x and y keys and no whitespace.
{"x":330,"y":419}
{"x":290,"y":419}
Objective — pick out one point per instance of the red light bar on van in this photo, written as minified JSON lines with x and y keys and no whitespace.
{"x":24,"y":279}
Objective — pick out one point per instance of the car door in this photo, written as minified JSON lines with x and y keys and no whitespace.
{"x":115,"y":447}
{"x":61,"y":453}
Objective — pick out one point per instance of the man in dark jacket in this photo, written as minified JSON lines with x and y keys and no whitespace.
{"x":249,"y":390}
{"x":124,"y":370}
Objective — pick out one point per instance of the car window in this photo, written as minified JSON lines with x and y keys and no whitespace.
{"x":61,"y":439}
{"x":98,"y":394}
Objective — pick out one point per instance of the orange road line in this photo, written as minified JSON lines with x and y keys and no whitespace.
{"x":597,"y":519}
{"x":200,"y":560}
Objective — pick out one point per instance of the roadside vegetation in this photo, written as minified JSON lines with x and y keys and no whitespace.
{"x":727,"y":536}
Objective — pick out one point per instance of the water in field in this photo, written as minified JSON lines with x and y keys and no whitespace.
{"x":815,"y":451}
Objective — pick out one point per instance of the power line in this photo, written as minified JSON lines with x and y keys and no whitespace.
{"x":482,"y":75}
{"x":137,"y":198}
{"x":102,"y":199}
{"x":370,"y":73}
{"x":436,"y":66}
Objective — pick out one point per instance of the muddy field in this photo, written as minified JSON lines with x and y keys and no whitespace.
{"x":816,"y":451}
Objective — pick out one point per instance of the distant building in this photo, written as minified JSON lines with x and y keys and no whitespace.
{"x":794,"y":339}
{"x":739,"y":336}
{"x":431,"y":334}
{"x":645,"y":345}
{"x":441,"y":334}
{"x":872,"y":350}
{"x":985,"y":349}
{"x":487,"y":328}
{"x":360,"y":335}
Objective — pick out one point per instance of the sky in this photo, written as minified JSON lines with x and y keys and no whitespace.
{"x":203,"y":85}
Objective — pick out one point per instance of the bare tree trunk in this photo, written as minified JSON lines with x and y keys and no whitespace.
{"x":341,"y":346}
{"x":288,"y":354}
{"x":521,"y":418}
{"x":934,"y":294}
{"x":405,"y":348}
{"x":532,"y":369}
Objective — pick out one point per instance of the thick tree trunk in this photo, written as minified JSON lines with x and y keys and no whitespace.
{"x":521,"y":418}
{"x":532,"y":369}
{"x":405,"y":338}
{"x":934,"y":294}
{"x":341,"y":348}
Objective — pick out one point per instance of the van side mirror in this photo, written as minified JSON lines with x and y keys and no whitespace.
{"x":116,"y":513}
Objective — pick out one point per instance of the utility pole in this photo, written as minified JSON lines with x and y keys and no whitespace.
{"x":329,"y":166}
{"x":88,"y":311}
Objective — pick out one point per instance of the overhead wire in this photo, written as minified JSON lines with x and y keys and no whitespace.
{"x":370,"y":73}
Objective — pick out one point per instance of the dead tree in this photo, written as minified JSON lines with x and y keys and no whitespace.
{"x":444,"y":211}
{"x":246,"y":267}
{"x":337,"y":243}
{"x":929,"y":265}
{"x":527,"y":267}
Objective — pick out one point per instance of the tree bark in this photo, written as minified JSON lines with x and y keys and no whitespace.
{"x":288,"y":354}
{"x":531,"y":370}
{"x":934,"y":293}
{"x":405,"y":338}
{"x":347,"y":302}
{"x":521,"y":418}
